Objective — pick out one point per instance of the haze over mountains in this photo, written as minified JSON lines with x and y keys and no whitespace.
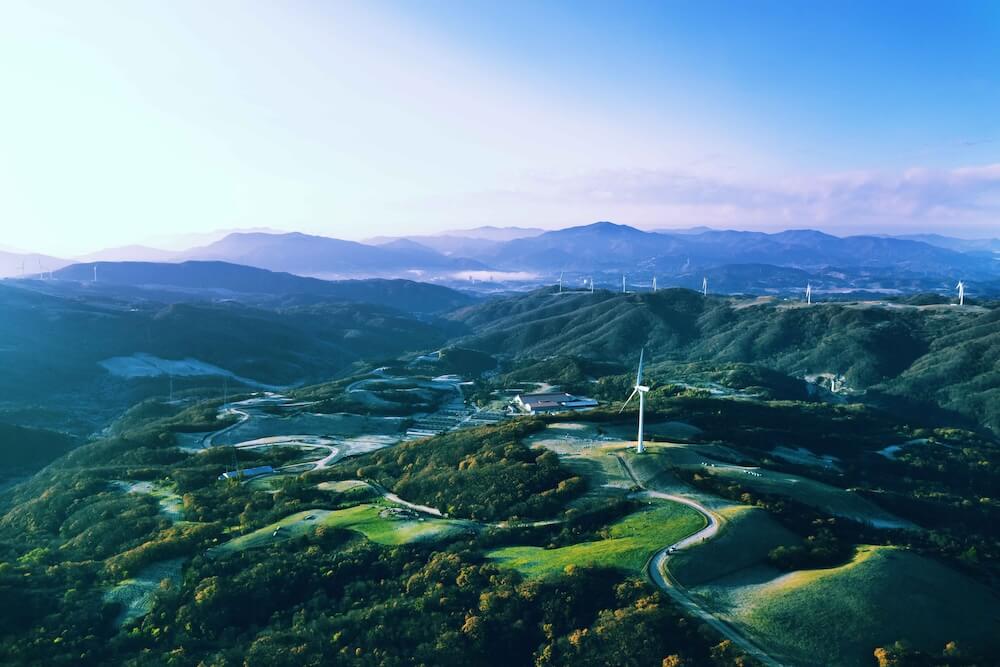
{"x":517,"y":258}
{"x":223,"y":279}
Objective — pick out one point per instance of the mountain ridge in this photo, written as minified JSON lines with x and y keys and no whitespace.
{"x":405,"y":295}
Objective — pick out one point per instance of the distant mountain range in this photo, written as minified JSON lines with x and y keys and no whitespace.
{"x":28,"y":264}
{"x":989,"y":246}
{"x":130,"y":253}
{"x":326,"y":257}
{"x":222,"y":279}
{"x":734,"y":261}
{"x":605,"y":245}
{"x":473,"y":242}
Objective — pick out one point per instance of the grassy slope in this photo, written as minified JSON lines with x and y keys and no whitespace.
{"x":632,"y":541}
{"x":363,"y":519}
{"x":744,"y":540}
{"x":653,"y":469}
{"x":838,"y":616}
{"x":810,"y":492}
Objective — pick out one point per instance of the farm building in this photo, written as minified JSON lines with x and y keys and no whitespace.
{"x":552,"y":402}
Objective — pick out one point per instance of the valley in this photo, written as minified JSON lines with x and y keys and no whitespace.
{"x":765,"y":503}
{"x":500,"y":334}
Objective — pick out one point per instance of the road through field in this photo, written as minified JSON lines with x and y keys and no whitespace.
{"x":658,"y":572}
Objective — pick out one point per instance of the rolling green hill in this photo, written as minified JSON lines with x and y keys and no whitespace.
{"x":961,"y":370}
{"x":839,"y":616}
{"x":937,"y":353}
{"x":99,"y":355}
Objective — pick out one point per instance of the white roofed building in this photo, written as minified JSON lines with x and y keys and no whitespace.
{"x":552,"y":402}
{"x":247,"y":473}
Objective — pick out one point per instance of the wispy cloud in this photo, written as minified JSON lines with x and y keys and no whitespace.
{"x":962,"y":200}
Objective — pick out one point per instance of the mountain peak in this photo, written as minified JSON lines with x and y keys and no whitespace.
{"x":601,"y":227}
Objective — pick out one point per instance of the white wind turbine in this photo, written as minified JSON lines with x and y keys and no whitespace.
{"x":560,"y":281}
{"x":961,"y":292}
{"x":623,"y":284}
{"x":591,"y":284}
{"x":704,"y":286}
{"x":654,"y":283}
{"x":809,"y":293}
{"x":641,"y":390}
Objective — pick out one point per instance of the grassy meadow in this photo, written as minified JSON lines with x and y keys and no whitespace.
{"x":629,"y":544}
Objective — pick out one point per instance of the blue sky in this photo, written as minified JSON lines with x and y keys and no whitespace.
{"x":129,"y":121}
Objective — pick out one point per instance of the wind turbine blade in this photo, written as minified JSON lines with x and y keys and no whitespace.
{"x":630,"y":397}
{"x":638,"y":376}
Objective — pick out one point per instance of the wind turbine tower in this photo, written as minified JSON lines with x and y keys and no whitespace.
{"x":654,"y":283}
{"x":809,"y":293}
{"x":961,"y":292}
{"x":704,"y":286}
{"x":95,"y":273}
{"x":640,"y":389}
{"x":560,"y":281}
{"x":623,"y":284}
{"x":591,"y":284}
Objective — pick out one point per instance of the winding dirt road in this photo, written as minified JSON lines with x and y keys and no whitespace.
{"x":660,"y":574}
{"x":209,"y":439}
{"x":656,"y":567}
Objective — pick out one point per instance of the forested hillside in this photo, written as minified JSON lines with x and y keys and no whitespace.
{"x":96,"y":356}
{"x":940,"y":353}
{"x":28,"y":449}
{"x":206,"y":280}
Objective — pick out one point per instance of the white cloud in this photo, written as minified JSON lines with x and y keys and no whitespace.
{"x":963,"y":200}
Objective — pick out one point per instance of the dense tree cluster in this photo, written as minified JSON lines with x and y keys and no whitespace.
{"x":330,"y":599}
{"x":485,"y":474}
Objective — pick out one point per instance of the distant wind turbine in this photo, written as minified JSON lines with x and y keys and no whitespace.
{"x":704,"y":286}
{"x":641,"y":390}
{"x":95,"y":273}
{"x":591,"y":284}
{"x":961,"y":292}
{"x":623,"y":284}
{"x":809,"y":293}
{"x":560,"y":281}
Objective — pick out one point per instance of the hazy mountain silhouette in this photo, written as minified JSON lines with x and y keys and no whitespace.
{"x":304,"y":254}
{"x":401,"y":294}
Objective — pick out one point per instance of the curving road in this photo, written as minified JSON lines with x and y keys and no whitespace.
{"x":660,"y":574}
{"x":392,"y":497}
{"x":209,"y":439}
{"x":656,"y":567}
